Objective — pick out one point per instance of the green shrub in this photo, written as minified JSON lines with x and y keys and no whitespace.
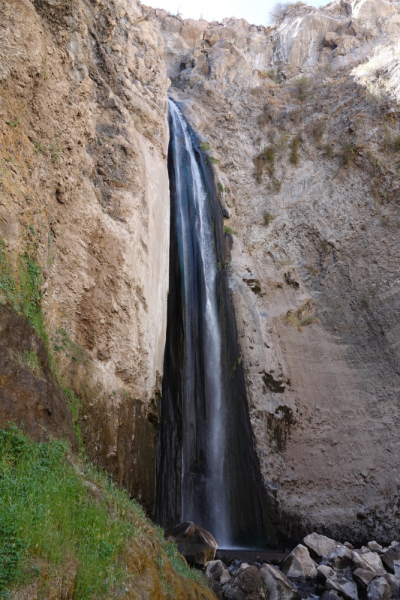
{"x":347,"y":153}
{"x":205,"y":146}
{"x":294,"y":150}
{"x":213,"y":159}
{"x":220,"y":186}
{"x":266,"y":159}
{"x":268,"y":218}
{"x":228,"y":230}
{"x":302,"y":85}
{"x":31,"y":359}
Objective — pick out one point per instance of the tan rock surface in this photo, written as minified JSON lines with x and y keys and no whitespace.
{"x":83,"y":175}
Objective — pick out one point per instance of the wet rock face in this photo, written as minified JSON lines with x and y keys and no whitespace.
{"x":29,"y":395}
{"x":310,"y":191}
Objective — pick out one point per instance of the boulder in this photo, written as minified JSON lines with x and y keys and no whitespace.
{"x":396,"y":567}
{"x":217,"y":571}
{"x":374,"y":546}
{"x":278,"y":585}
{"x":379,"y":589}
{"x":196,"y":544}
{"x":330,"y":596}
{"x":320,"y":544}
{"x":247,"y":585}
{"x":323,"y":572}
{"x":394,"y":583}
{"x":392,"y":554}
{"x":340,"y":557}
{"x":368,"y":560}
{"x":300,"y":564}
{"x":363,"y":577}
{"x":343,"y":584}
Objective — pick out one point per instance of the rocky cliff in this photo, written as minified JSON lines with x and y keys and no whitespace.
{"x":301,"y":122}
{"x":84,"y":194}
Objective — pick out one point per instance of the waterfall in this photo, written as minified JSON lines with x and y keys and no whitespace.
{"x":207,"y":471}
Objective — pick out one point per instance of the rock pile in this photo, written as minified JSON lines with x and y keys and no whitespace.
{"x":320,"y":567}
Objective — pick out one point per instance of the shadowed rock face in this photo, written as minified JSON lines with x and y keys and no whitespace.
{"x":308,"y":180}
{"x":29,"y":396}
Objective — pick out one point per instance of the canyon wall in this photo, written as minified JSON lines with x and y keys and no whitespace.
{"x":301,"y":121}
{"x":84,"y":195}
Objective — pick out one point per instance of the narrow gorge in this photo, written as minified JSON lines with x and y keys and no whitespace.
{"x":200,"y":284}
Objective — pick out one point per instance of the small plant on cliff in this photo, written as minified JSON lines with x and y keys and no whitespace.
{"x":268,"y":218}
{"x":228,"y":230}
{"x":302,"y":86}
{"x":31,"y":359}
{"x":347,"y":153}
{"x":328,"y":149}
{"x":266,"y":159}
{"x":293,"y":321}
{"x":205,"y":147}
{"x":294,"y":150}
{"x":220,"y":187}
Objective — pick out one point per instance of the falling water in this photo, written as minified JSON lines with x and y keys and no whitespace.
{"x":207,"y":471}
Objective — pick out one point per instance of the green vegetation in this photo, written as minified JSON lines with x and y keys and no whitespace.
{"x":31,"y":359}
{"x":293,"y":321}
{"x":53,"y":150}
{"x":294,"y":150}
{"x":328,"y":149}
{"x":205,"y":146}
{"x":221,"y":187}
{"x":213,"y":160}
{"x":56,"y":509}
{"x":20,"y":285}
{"x":347,"y":153}
{"x":228,"y":230}
{"x":266,"y":159}
{"x":302,"y":85}
{"x":268,"y":218}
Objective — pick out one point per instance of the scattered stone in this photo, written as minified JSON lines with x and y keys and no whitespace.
{"x":323,"y":572}
{"x":299,"y":564}
{"x":363,"y":577}
{"x":330,"y":596}
{"x":374,"y":546}
{"x":278,"y":585}
{"x":247,"y":585}
{"x":396,"y":567}
{"x":217,"y":571}
{"x":368,"y":560}
{"x":394,"y":583}
{"x":320,"y":544}
{"x":349,"y":546}
{"x":379,"y":589}
{"x":392,"y":554}
{"x":196,"y":544}
{"x":340,"y":557}
{"x":339,"y":582}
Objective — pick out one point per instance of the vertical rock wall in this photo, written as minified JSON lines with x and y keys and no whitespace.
{"x":83,"y":182}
